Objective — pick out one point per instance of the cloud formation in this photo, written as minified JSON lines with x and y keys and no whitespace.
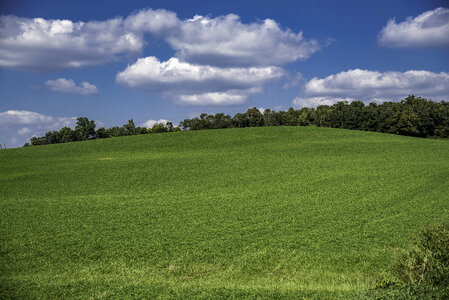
{"x":429,"y":29}
{"x":159,"y":22}
{"x":150,"y":73}
{"x":18,"y":126}
{"x":197,"y":84}
{"x":217,"y":98}
{"x":68,"y":86}
{"x":368,"y":86}
{"x":39,"y":44}
{"x":227,"y":42}
{"x":45,"y":44}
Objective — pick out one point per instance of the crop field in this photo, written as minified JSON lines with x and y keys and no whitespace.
{"x":269,"y":212}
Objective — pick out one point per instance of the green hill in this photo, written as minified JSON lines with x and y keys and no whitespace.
{"x":253,"y":212}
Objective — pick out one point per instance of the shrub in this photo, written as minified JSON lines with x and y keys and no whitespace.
{"x":428,"y":261}
{"x":420,"y":273}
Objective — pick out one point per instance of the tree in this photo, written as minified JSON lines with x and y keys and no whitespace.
{"x":169,"y":126}
{"x":269,"y":117}
{"x":66,"y":134}
{"x":115,"y":131}
{"x":86,"y":128}
{"x":255,"y":117}
{"x":130,"y":128}
{"x":102,"y":133}
{"x":408,"y":124}
{"x":158,"y":128}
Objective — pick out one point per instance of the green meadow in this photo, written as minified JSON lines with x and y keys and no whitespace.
{"x":268,"y":212}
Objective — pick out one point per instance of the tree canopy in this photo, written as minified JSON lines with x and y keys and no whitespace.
{"x":413,"y":116}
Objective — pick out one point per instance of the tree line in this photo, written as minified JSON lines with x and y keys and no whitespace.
{"x":85,"y":130}
{"x":413,"y":116}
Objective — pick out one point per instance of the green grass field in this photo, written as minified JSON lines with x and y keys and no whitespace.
{"x":268,"y":212}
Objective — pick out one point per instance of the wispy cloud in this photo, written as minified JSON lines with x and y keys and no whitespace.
{"x":68,"y":86}
{"x":429,"y":29}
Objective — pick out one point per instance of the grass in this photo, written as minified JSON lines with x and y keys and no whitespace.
{"x":271,"y":212}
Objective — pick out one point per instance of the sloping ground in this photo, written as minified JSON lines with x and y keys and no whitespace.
{"x":254,"y":212}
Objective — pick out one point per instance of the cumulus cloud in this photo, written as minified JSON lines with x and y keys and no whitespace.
{"x":46,"y":44}
{"x":368,"y":86}
{"x":429,"y":29}
{"x":226,"y":41}
{"x":40,"y":44}
{"x":18,"y":126}
{"x":213,"y":99}
{"x":159,"y":22}
{"x":197,"y":84}
{"x":150,"y":123}
{"x":68,"y":86}
{"x":150,"y":73}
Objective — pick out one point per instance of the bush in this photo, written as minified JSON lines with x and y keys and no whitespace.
{"x":428,"y":261}
{"x":420,"y":273}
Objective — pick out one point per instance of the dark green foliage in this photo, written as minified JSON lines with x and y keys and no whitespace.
{"x":102,"y":133}
{"x":130,"y":128}
{"x":158,"y":128}
{"x":85,"y":130}
{"x":116,"y":131}
{"x":413,"y":116}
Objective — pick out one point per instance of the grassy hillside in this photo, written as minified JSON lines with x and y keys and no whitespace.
{"x":275,"y":211}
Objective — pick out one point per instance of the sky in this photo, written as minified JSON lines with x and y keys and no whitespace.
{"x":158,"y":61}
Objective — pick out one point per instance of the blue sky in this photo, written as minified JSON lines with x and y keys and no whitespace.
{"x":169,"y":60}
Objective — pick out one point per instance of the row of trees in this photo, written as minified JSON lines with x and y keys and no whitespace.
{"x":413,"y":116}
{"x":85,"y":130}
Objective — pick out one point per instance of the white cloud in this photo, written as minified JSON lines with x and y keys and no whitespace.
{"x":63,"y":85}
{"x":150,"y":73}
{"x":46,"y":44}
{"x":39,"y":44}
{"x":18,"y":126}
{"x":23,"y":117}
{"x":198,"y":84}
{"x":158,"y":22}
{"x":150,"y":123}
{"x":368,"y":86}
{"x":213,"y":99}
{"x":430,"y":28}
{"x":226,"y":41}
